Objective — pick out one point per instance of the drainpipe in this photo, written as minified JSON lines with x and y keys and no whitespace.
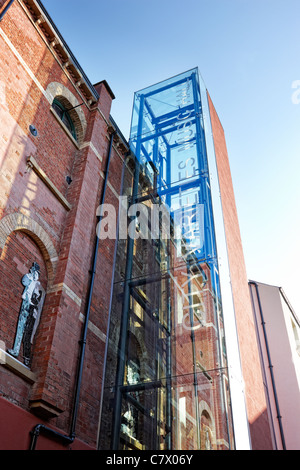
{"x":270,"y":364}
{"x":5,"y":9}
{"x":124,"y":328}
{"x":126,"y":299}
{"x":110,"y":303}
{"x":40,"y":428}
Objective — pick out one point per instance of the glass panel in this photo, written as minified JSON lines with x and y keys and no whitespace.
{"x":64,"y":116}
{"x":58,"y":109}
{"x":149,"y":423}
{"x":166,"y":382}
{"x":67,"y":122}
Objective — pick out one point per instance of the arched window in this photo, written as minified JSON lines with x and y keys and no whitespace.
{"x":64,"y":115}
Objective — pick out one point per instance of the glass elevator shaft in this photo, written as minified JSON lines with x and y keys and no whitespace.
{"x":166,"y":384}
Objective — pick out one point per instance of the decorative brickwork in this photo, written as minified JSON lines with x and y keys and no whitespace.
{"x":66,"y":97}
{"x":20,"y":222}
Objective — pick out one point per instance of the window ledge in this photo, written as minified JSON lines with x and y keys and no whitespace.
{"x":6,"y":360}
{"x":66,"y":130}
{"x":37,"y":169}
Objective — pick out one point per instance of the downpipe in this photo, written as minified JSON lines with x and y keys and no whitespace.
{"x":41,"y":428}
{"x":110,"y":304}
{"x":270,"y":364}
{"x":5,"y":9}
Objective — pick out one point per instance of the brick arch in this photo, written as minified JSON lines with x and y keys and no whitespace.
{"x":205,"y":411}
{"x":21,"y":222}
{"x":65,"y":96}
{"x":140,"y":340}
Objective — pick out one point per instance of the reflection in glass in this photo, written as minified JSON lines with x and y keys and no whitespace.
{"x":166,"y":382}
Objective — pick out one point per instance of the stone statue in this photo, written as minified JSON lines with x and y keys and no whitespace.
{"x":207,"y":441}
{"x":29,"y":317}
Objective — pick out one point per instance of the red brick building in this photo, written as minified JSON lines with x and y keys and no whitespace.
{"x":52,"y":180}
{"x":61,"y":156}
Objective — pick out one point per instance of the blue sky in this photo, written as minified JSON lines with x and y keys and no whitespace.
{"x":248,"y":53}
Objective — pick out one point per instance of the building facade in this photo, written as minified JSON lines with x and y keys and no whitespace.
{"x":56,"y":137}
{"x":126,"y":319}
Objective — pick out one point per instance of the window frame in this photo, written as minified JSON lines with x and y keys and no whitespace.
{"x":64,"y":116}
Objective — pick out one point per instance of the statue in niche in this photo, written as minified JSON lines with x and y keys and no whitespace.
{"x":30,"y":313}
{"x":207,"y":440}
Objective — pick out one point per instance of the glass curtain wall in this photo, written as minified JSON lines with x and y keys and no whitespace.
{"x":166,"y":376}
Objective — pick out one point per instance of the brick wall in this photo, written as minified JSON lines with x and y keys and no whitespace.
{"x":36,"y":226}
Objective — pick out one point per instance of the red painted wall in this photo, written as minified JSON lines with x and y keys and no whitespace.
{"x":16,"y":426}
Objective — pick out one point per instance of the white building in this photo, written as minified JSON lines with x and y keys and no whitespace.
{"x":278,"y":331}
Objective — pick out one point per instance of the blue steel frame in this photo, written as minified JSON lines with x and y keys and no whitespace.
{"x":163,"y":128}
{"x":163,"y":125}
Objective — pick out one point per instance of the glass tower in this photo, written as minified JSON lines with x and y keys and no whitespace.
{"x":167,"y":379}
